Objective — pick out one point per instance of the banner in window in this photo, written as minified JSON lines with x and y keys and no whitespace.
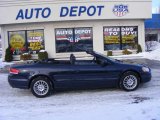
{"x":129,"y":34}
{"x":73,"y":39}
{"x":35,"y":39}
{"x":83,"y":39}
{"x":64,"y":34}
{"x":17,"y":42}
{"x":83,"y":34}
{"x":111,"y":35}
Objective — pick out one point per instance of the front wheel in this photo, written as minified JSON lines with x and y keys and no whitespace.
{"x":129,"y":81}
{"x":40,"y":87}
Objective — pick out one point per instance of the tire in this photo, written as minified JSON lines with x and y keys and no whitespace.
{"x":41,"y":87}
{"x":129,"y":81}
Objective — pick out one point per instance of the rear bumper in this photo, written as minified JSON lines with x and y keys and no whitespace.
{"x":18,"y":82}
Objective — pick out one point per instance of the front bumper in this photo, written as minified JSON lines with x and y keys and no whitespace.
{"x":16,"y":81}
{"x":146,"y":77}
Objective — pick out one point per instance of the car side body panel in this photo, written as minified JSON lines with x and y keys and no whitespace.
{"x":76,"y":76}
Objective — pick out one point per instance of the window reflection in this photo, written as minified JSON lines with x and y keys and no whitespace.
{"x":73,"y":39}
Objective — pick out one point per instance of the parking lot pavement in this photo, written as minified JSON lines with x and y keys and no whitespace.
{"x":151,"y":63}
{"x":102,"y":104}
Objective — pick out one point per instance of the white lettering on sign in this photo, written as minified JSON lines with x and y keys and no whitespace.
{"x":112,"y":31}
{"x":82,"y":31}
{"x":128,"y":31}
{"x":63,"y":32}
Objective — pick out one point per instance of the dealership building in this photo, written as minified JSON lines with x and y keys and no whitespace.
{"x":62,"y":27}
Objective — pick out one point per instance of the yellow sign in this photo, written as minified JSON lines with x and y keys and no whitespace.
{"x":111,"y":39}
{"x":35,"y":45}
{"x":128,"y":39}
{"x":33,"y":34}
{"x":17,"y":41}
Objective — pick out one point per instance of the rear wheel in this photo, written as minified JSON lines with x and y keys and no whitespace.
{"x":41,"y":87}
{"x":129,"y":81}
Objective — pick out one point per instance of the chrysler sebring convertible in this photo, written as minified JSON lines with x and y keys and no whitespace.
{"x":45,"y":76}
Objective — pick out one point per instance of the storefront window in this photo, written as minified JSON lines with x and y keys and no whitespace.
{"x":129,"y":37}
{"x":111,"y":38}
{"x":120,"y":38}
{"x":64,"y":40}
{"x":35,"y":41}
{"x":17,"y":42}
{"x":73,"y":39}
{"x":30,"y":41}
{"x":83,"y":39}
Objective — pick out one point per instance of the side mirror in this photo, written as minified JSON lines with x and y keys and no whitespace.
{"x":103,"y":63}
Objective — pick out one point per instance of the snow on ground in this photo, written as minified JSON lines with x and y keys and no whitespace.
{"x":152,"y":55}
{"x":103,"y":104}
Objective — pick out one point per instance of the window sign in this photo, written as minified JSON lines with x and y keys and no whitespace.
{"x":73,"y":39}
{"x":116,"y":38}
{"x":26,"y":41}
{"x":17,"y":42}
{"x":129,"y":37}
{"x":112,"y":38}
{"x":64,"y":39}
{"x":64,"y":34}
{"x":83,"y":39}
{"x":35,"y":40}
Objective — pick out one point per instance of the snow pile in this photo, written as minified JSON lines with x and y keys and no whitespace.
{"x":152,"y":55}
{"x":151,"y":45}
{"x":42,"y":51}
{"x":3,"y":64}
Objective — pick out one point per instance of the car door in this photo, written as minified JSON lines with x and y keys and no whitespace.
{"x":63,"y":75}
{"x":96,"y":75}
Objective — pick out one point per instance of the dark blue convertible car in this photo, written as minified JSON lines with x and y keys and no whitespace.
{"x":47,"y":75}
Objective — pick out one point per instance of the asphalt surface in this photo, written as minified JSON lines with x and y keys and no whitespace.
{"x":151,"y":63}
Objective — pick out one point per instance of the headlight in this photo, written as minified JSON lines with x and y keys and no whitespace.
{"x":145,"y":69}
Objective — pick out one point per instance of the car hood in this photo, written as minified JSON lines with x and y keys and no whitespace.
{"x":131,"y":65}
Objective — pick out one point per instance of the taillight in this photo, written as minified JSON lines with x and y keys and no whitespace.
{"x":13,"y":71}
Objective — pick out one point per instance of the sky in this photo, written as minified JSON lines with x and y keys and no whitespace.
{"x":155,"y":5}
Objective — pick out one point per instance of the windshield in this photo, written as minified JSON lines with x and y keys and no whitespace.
{"x":106,"y":57}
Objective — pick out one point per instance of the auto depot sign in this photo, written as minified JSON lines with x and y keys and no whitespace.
{"x":74,"y":11}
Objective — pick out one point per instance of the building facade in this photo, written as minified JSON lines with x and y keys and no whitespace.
{"x":62,"y":27}
{"x":152,"y":28}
